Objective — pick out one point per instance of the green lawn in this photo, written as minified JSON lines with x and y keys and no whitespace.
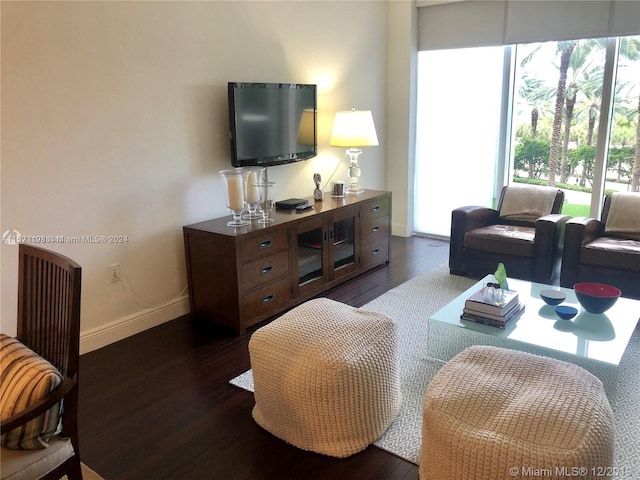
{"x":574,"y":210}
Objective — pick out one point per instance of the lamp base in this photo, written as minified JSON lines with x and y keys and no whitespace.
{"x":354,"y":191}
{"x":354,"y":172}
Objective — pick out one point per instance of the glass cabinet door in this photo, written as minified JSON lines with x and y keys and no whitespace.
{"x":312,"y":240}
{"x":326,"y":250}
{"x":342,"y":245}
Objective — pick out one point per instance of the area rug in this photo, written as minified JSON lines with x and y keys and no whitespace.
{"x":420,"y":343}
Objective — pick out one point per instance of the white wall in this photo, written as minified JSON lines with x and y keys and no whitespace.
{"x":402,"y":37}
{"x":114,"y":122}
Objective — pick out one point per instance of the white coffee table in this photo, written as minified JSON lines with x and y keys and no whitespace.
{"x":601,"y":337}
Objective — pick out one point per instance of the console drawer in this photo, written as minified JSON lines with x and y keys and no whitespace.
{"x":375,"y":229}
{"x":266,"y":301}
{"x":375,"y":209}
{"x":374,"y":253}
{"x":265,"y":244}
{"x":265,"y":269}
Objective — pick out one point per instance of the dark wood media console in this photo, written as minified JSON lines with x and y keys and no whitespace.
{"x":241,"y":276}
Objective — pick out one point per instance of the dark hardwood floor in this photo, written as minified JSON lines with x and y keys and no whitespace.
{"x":158,"y":405}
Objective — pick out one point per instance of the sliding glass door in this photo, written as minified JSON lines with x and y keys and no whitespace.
{"x":623,"y":159}
{"x":576,"y":116}
{"x":554,"y":113}
{"x":458,"y":125}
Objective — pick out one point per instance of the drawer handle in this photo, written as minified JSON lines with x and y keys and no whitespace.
{"x":268,"y":298}
{"x":375,"y":208}
{"x":375,"y":252}
{"x":265,"y":270}
{"x":265,"y":244}
{"x":376,"y":228}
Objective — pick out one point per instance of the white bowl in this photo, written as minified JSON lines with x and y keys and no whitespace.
{"x":552,"y":297}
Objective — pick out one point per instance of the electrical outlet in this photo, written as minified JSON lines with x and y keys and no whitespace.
{"x":114,"y":271}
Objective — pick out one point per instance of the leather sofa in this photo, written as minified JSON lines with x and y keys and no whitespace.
{"x":524,"y":232}
{"x":606,"y":250}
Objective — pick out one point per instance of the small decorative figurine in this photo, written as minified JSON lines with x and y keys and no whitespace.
{"x":317,"y":193}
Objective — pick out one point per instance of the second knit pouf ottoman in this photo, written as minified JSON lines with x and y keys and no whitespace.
{"x":497,"y":414}
{"x":326,"y":377}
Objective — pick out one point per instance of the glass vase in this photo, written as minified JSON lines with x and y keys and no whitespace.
{"x":253,"y":177}
{"x":265,"y":203}
{"x":234,"y":180}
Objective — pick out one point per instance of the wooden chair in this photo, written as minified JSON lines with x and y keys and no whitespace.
{"x":49,"y":324}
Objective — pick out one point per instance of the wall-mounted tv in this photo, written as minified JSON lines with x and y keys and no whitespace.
{"x":272,"y":123}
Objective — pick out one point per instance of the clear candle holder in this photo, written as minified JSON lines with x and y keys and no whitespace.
{"x":265,"y":203}
{"x":234,"y":180}
{"x":253,"y":177}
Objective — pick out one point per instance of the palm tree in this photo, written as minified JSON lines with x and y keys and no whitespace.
{"x":570,"y":103}
{"x":585,"y":69}
{"x":565,"y":48}
{"x":592,"y":112}
{"x":537,"y":95}
{"x":635,"y":170}
{"x":591,"y":85}
{"x":578,"y":96}
{"x":630,"y":49}
{"x":626,"y":111}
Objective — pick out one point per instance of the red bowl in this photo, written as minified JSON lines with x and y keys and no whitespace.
{"x":596,"y":297}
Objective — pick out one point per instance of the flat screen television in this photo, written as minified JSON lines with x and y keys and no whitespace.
{"x":272,"y":123}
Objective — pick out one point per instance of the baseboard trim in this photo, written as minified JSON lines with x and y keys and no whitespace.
{"x":104,"y":335}
{"x":401,"y":230}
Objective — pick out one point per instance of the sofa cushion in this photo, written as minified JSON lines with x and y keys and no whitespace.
{"x":505,"y":239}
{"x":26,"y":378}
{"x":527,"y":202}
{"x":623,"y":219}
{"x":612,"y":252}
{"x":30,"y":464}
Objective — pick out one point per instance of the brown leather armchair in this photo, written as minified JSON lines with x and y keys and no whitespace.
{"x":606,"y":250}
{"x":525,"y":233}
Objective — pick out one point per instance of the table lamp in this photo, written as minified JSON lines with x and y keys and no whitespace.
{"x":354,"y":129}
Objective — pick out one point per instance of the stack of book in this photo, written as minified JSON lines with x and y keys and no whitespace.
{"x":479,"y":309}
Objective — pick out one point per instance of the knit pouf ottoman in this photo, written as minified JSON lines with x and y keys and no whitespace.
{"x":326,"y":377}
{"x":492,"y":413}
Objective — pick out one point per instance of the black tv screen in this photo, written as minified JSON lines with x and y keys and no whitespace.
{"x":272,"y":123}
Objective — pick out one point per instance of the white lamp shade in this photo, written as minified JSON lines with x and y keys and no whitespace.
{"x":354,"y":128}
